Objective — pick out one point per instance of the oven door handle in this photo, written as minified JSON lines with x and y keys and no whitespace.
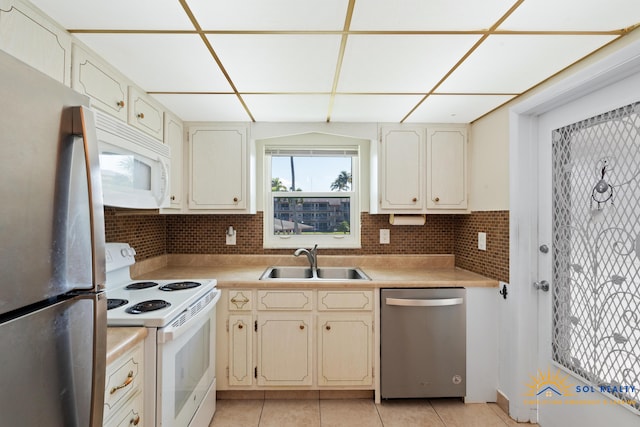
{"x":180,"y":326}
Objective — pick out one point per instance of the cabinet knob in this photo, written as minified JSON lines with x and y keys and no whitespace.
{"x":120,"y":104}
{"x":135,"y":420}
{"x":141,"y":115}
{"x":235,"y":200}
{"x":415,"y":199}
{"x":328,"y":327}
{"x":301,"y":327}
{"x":240,"y":326}
{"x":437,"y":199}
{"x":173,"y":197}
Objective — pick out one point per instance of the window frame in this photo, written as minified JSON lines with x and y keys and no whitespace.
{"x":291,"y":241}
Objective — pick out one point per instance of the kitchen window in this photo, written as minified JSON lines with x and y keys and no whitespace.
{"x":312,"y":196}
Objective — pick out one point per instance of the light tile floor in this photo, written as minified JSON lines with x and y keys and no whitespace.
{"x":359,"y":413}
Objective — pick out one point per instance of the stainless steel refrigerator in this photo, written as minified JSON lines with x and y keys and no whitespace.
{"x":52,"y":304}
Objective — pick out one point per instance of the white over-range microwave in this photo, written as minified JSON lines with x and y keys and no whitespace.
{"x":134,"y":166}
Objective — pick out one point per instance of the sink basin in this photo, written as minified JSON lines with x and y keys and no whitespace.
{"x":341,"y":273}
{"x":305,"y":273}
{"x":287,"y":273}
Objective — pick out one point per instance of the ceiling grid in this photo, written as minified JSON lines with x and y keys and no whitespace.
{"x":342,"y":60}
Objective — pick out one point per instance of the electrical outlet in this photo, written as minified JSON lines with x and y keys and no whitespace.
{"x":385,"y":236}
{"x":231,"y":240}
{"x":482,"y":241}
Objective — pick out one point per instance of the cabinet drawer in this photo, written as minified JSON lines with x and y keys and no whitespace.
{"x":345,"y":300}
{"x":130,"y":415}
{"x":285,"y":300}
{"x":240,"y":300}
{"x":124,"y":378}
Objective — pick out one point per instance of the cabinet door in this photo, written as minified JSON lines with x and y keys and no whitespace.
{"x":447,"y":168}
{"x":106,"y":88}
{"x":284,"y":349}
{"x":173,"y":138}
{"x":401,"y":170}
{"x":240,"y":350}
{"x":35,"y":40}
{"x":218,"y":168}
{"x":145,"y":114}
{"x":345,"y":349}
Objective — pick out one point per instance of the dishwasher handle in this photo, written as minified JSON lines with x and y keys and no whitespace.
{"x":436,"y":302}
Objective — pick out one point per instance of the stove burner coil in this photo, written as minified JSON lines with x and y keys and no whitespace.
{"x":178,"y":286}
{"x":141,"y":285}
{"x":115,"y":303}
{"x":146,"y":306}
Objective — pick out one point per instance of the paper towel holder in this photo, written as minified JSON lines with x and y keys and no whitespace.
{"x":410,"y":219}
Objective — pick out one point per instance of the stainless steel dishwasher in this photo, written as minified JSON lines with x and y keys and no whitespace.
{"x":423,"y":343}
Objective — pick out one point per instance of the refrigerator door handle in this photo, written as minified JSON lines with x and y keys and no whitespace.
{"x":436,"y":302}
{"x":84,"y":126}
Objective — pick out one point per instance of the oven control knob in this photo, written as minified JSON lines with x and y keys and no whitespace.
{"x":132,"y":251}
{"x":124,"y":253}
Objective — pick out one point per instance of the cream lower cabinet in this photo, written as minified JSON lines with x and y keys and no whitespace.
{"x":344,"y":349}
{"x":123,"y":393}
{"x":297,"y":338}
{"x":284,"y":349}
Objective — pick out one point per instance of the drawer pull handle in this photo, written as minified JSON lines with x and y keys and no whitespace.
{"x":126,"y":382}
{"x":135,"y":420}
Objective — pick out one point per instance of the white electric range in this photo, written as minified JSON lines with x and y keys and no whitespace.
{"x":180,"y":318}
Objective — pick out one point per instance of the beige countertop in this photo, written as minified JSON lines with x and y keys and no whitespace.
{"x":385,"y":271}
{"x":121,"y":339}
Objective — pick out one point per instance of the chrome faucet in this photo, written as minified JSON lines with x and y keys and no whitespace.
{"x":312,"y":255}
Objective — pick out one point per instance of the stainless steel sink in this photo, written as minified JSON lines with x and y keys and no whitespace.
{"x":341,"y":273}
{"x":305,"y":273}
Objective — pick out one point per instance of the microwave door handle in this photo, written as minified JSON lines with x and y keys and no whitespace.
{"x":84,"y":126}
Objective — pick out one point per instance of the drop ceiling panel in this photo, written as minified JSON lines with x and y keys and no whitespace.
{"x":574,"y":15}
{"x":400,"y":63}
{"x":513,"y":64}
{"x":456,"y":108}
{"x":372,"y":108}
{"x":278,"y":63}
{"x":161,"y":62}
{"x":270,"y":15}
{"x":421,"y":15}
{"x":288,"y":108}
{"x":204,"y":108}
{"x":117,"y":14}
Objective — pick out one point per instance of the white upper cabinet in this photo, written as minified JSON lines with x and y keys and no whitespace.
{"x":35,"y":39}
{"x":145,"y":114}
{"x":173,"y":137}
{"x":218,"y":172}
{"x":106,"y":87}
{"x":446,"y":169}
{"x":401,"y":169}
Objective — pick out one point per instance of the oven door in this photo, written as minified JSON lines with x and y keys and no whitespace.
{"x":186,"y":363}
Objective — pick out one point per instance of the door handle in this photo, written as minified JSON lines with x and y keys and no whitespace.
{"x":438,"y":302}
{"x":542,"y":285}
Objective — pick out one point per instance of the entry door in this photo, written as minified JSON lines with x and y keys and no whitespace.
{"x":588,"y":254}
